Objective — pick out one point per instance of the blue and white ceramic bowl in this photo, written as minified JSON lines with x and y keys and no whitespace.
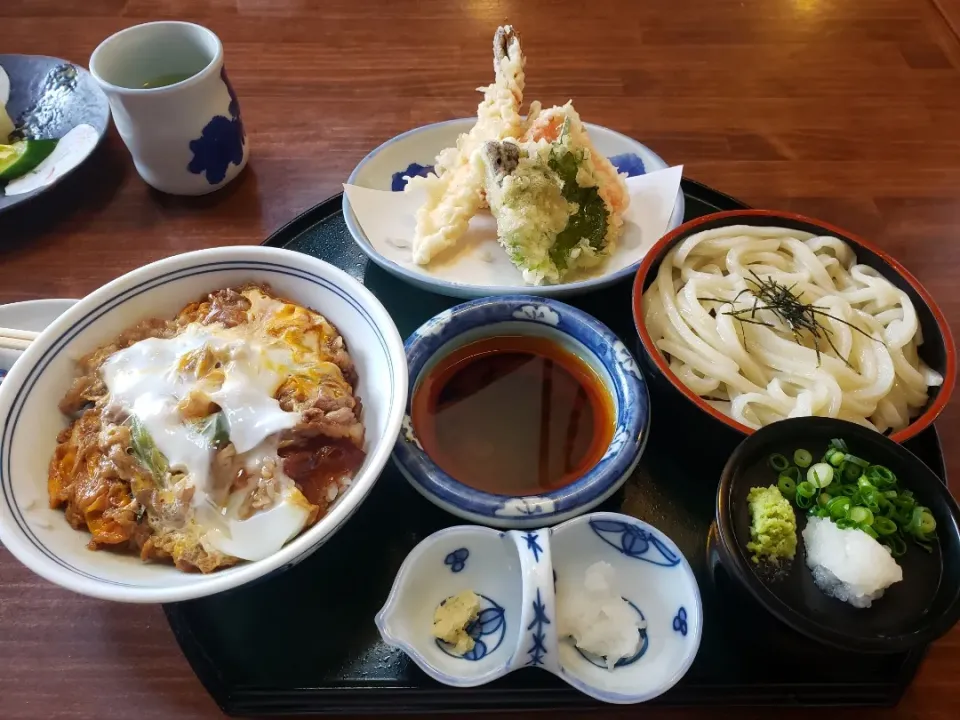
{"x":30,"y":419}
{"x":573,"y":330}
{"x":656,"y":580}
{"x":444,"y":564}
{"x":517,"y":574}
{"x":413,"y":153}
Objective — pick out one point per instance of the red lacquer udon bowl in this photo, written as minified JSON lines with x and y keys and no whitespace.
{"x":937,"y":351}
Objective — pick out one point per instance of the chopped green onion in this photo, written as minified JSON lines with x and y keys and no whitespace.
{"x":215,"y":431}
{"x":787,"y":486}
{"x":871,"y":498}
{"x":805,"y":495}
{"x":896,"y":544}
{"x":850,"y":471}
{"x":862,"y":496}
{"x":793,"y":472}
{"x":880,"y":476}
{"x":807,"y":489}
{"x":838,"y":507}
{"x":927,"y":523}
{"x":913,"y":527}
{"x":860,"y":462}
{"x":839,"y":444}
{"x":884,"y":526}
{"x":820,"y":475}
{"x":778,"y":462}
{"x":146,"y":451}
{"x":860,"y":515}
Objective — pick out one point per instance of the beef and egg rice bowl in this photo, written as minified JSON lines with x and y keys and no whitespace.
{"x":212,"y":438}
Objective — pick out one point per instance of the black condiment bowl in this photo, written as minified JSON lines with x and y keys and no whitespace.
{"x":915,"y":611}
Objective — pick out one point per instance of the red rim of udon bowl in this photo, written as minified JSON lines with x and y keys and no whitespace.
{"x":688,"y":228}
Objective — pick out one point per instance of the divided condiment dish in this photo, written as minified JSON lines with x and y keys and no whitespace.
{"x":516,"y":573}
{"x":576,"y":333}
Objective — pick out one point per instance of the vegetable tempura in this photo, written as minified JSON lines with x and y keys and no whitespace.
{"x":558,"y":202}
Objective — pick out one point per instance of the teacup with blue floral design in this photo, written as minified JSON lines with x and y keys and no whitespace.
{"x":173,"y":105}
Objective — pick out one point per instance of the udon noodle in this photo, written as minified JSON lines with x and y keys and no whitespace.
{"x":752,"y":366}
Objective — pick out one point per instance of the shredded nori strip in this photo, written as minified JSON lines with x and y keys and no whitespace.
{"x":797,"y":315}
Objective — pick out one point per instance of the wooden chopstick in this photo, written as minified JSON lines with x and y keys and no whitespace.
{"x":11,"y":339}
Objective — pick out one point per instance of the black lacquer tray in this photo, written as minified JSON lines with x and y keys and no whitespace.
{"x":305,"y":642}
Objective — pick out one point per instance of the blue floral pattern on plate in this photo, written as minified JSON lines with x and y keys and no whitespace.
{"x":628,"y":163}
{"x":680,"y":621}
{"x":491,"y":624}
{"x":399,"y":179}
{"x":221,"y":142}
{"x":457,"y":560}
{"x":635,"y":542}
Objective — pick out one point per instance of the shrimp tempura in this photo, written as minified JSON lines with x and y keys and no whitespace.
{"x":455,"y":188}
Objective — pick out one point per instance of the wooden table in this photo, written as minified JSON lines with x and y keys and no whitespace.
{"x":849,"y":111}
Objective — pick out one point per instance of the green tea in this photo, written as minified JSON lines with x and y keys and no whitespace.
{"x":164,"y":80}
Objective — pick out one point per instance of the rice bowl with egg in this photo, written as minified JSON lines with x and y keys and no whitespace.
{"x":38,"y":536}
{"x":212,"y":438}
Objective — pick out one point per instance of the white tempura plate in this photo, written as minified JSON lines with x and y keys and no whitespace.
{"x":384,"y":166}
{"x":28,"y":315}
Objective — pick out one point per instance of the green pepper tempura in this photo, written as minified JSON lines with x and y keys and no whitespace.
{"x":548,"y":200}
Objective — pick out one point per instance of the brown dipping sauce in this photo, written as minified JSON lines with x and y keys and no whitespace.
{"x":513,"y":415}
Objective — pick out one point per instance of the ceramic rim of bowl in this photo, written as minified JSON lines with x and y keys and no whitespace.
{"x":659,"y":249}
{"x":627,"y":386}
